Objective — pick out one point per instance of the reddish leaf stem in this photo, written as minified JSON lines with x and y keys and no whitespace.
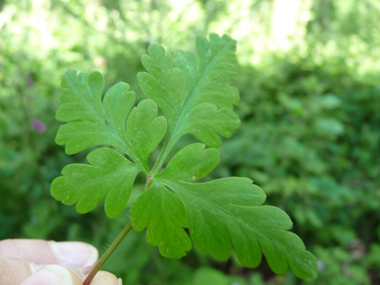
{"x":107,"y":254}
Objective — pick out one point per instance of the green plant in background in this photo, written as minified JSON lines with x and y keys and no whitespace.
{"x":195,"y":98}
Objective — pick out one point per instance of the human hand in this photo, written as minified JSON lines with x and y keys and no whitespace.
{"x":40,"y":262}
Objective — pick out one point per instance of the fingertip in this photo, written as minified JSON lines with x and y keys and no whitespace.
{"x":53,"y":274}
{"x":79,"y":255}
{"x":104,"y":277}
{"x":13,"y":271}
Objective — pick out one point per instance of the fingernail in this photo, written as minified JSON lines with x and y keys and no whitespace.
{"x":76,"y":254}
{"x":50,"y":274}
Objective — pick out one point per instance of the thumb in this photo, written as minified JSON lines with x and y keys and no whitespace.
{"x":59,"y":275}
{"x":13,"y":271}
{"x":103,"y":277}
{"x":53,"y":274}
{"x":17,"y":271}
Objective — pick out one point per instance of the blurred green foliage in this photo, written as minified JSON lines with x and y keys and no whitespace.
{"x":309,"y":136}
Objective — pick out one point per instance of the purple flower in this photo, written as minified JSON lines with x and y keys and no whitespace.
{"x":321,"y":266}
{"x":38,"y":126}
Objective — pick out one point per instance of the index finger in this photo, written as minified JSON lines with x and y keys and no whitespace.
{"x":75,"y":254}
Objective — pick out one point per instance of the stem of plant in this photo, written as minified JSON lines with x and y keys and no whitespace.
{"x":114,"y":245}
{"x":107,"y":254}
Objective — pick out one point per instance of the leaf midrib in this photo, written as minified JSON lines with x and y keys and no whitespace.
{"x":230,"y":214}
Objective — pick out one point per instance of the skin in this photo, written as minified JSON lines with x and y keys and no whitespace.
{"x":40,"y":262}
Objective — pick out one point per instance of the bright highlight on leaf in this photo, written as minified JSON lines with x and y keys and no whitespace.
{"x":196,"y":99}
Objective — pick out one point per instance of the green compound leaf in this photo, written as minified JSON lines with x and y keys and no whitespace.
{"x":192,"y":92}
{"x":93,"y":122}
{"x":110,"y":173}
{"x":222,"y":213}
{"x":90,"y":123}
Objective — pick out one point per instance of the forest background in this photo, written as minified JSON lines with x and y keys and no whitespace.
{"x":309,"y":83}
